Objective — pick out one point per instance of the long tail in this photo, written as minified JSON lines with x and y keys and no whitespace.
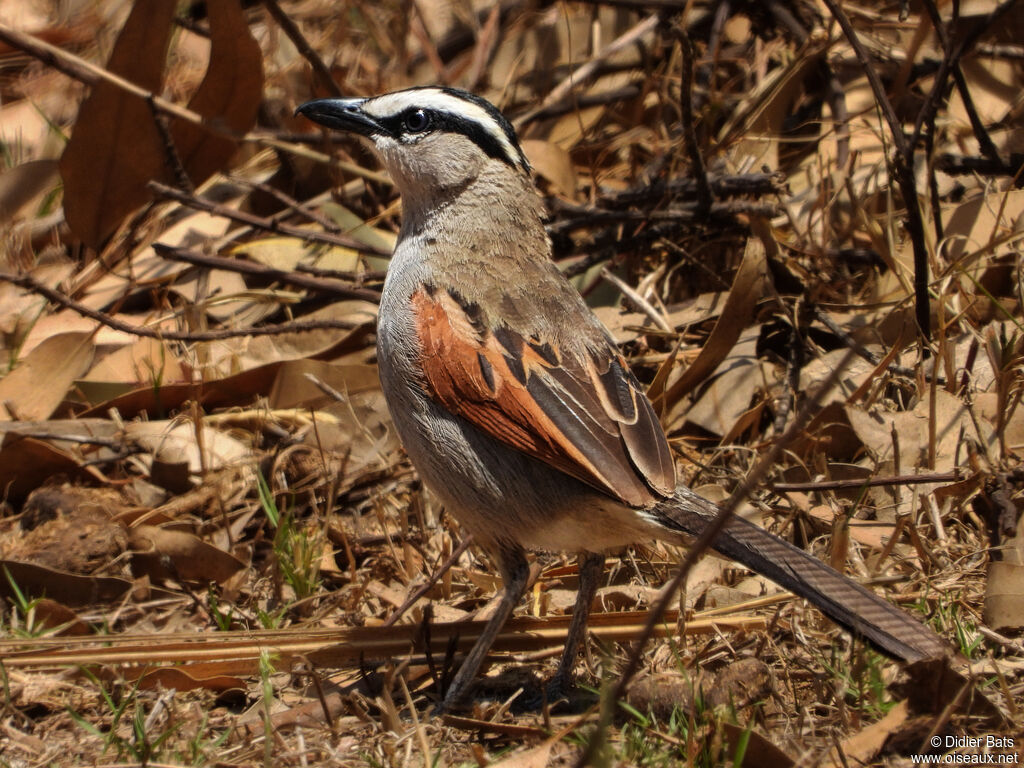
{"x":844,"y":601}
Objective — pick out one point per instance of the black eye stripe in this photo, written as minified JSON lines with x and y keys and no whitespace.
{"x":442,"y":120}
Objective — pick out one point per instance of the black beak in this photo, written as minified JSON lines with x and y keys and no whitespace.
{"x":342,"y":115}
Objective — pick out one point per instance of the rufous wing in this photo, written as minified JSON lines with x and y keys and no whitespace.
{"x":581,"y":412}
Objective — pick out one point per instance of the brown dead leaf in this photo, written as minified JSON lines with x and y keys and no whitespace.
{"x":292,"y":387}
{"x":39,"y":383}
{"x":231,"y":391}
{"x":180,"y":679}
{"x":730,"y":390}
{"x":758,"y":123}
{"x":865,"y":745}
{"x":27,"y":463}
{"x":870,"y":533}
{"x":229,"y":95}
{"x":21,"y":308}
{"x":760,"y":752}
{"x":57,"y":616}
{"x":189,"y":557}
{"x":143,"y":363}
{"x":982,"y":221}
{"x":287,"y":253}
{"x":23,"y":183}
{"x":177,"y":441}
{"x":69,"y":588}
{"x":553,"y":163}
{"x":115,"y":147}
{"x":953,"y":423}
{"x":748,"y":286}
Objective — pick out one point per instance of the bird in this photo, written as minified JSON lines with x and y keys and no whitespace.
{"x":512,"y":400}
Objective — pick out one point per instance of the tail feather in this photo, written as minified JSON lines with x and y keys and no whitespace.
{"x":844,"y":601}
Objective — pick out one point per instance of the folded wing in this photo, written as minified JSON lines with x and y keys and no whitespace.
{"x":579,"y":410}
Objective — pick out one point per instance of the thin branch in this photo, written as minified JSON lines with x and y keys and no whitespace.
{"x":31,"y":284}
{"x":292,"y":31}
{"x":697,"y":169}
{"x":85,"y":71}
{"x":902,"y":170}
{"x":318,"y":285}
{"x":259,"y":222}
{"x":871,"y":482}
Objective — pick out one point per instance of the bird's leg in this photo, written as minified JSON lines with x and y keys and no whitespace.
{"x":591,"y":566}
{"x":515,"y":573}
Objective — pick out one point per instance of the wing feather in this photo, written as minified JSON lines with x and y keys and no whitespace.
{"x":588,"y":417}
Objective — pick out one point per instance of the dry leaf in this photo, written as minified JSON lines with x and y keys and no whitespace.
{"x":115,"y":147}
{"x":728,"y":392}
{"x":177,"y":441}
{"x":27,"y":463}
{"x":23,"y":183}
{"x":72,"y":589}
{"x":748,"y":286}
{"x":531,"y":757}
{"x":40,"y":382}
{"x":952,"y":424}
{"x":161,"y":553}
{"x":179,"y":679}
{"x":553,"y":163}
{"x":292,"y":387}
{"x":865,"y":745}
{"x":229,"y":95}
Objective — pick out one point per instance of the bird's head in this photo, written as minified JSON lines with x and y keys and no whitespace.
{"x":431,"y":140}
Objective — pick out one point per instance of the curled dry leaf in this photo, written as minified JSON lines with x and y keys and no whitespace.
{"x":230,"y":93}
{"x":26,"y":463}
{"x":748,"y":286}
{"x":57,"y":616}
{"x":188,"y":556}
{"x":177,"y":441}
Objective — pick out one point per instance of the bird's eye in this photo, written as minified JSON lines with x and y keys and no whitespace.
{"x":417,"y":121}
